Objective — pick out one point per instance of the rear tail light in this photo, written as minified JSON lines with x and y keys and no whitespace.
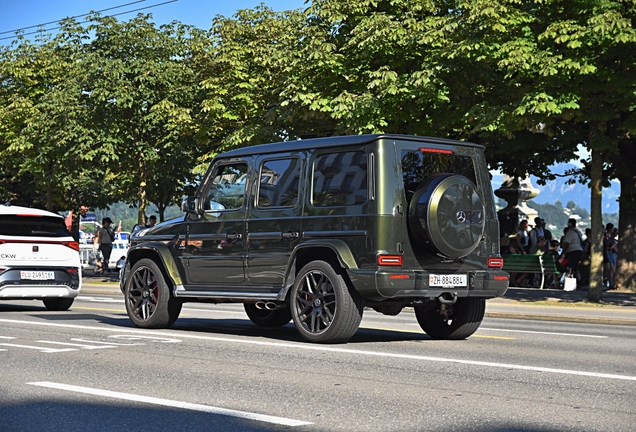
{"x":435,"y":150}
{"x":390,"y":260}
{"x":71,"y":244}
{"x":495,"y":262}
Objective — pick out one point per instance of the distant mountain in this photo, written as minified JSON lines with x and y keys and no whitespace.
{"x":559,"y":190}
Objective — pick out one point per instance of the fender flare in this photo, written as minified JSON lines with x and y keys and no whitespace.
{"x":158,"y":250}
{"x":339,"y":247}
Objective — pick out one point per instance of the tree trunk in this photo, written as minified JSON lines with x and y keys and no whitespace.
{"x":595,"y":292}
{"x":626,"y":266}
{"x":143,"y":192}
{"x":49,"y":194}
{"x":161,"y":207}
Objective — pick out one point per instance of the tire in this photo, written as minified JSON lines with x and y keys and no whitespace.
{"x":149,"y":303}
{"x":464,"y":320}
{"x":446,"y":216}
{"x":267,"y":318}
{"x":323,"y":306}
{"x":58,"y":304}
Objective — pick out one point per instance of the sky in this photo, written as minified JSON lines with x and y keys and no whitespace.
{"x":15,"y":14}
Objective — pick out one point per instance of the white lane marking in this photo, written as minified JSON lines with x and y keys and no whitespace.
{"x":82,"y":346}
{"x":7,"y":337}
{"x":151,"y":338}
{"x":99,"y":299}
{"x":43,"y":349}
{"x":106,"y":343}
{"x":174,"y":404}
{"x":309,"y":347}
{"x":545,"y":333}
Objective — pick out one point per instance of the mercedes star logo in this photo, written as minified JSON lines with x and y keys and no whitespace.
{"x":461,"y":216}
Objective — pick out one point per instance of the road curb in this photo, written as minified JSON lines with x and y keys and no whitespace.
{"x":571,"y":319}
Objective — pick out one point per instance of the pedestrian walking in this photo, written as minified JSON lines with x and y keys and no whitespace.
{"x":104,"y":241}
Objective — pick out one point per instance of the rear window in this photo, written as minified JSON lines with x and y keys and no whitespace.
{"x":32,"y":226}
{"x":418,"y":166}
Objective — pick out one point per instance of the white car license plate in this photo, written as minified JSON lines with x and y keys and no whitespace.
{"x":456,"y":280}
{"x":37,"y":275}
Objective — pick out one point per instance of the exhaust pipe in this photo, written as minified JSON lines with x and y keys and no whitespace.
{"x":453,"y":300}
{"x":269,"y":305}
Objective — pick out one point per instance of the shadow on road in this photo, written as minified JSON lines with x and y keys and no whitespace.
{"x":287,"y":333}
{"x":49,"y":415}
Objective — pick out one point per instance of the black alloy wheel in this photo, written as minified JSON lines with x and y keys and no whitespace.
{"x":323,"y":306}
{"x":149,"y":303}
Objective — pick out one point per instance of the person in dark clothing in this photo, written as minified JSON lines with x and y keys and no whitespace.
{"x":561,"y":268}
{"x":104,"y":241}
{"x":584,"y":265}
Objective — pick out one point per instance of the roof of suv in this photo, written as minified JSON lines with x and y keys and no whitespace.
{"x":25,"y":211}
{"x":315,"y":143}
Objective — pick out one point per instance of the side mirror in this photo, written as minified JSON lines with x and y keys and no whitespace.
{"x":189,"y":205}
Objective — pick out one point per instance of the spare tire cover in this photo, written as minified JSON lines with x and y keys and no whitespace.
{"x":446,"y":215}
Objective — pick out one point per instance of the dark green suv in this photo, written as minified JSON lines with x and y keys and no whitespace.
{"x":315,"y":230}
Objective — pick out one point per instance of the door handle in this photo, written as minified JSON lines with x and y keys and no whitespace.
{"x":233,"y":237}
{"x":289,"y":235}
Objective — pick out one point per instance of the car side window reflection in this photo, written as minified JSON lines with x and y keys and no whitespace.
{"x":227,"y":189}
{"x":279,"y":180}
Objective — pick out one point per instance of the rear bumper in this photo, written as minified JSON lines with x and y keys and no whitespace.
{"x":401,"y":284}
{"x":65,"y":284}
{"x":30,"y":292}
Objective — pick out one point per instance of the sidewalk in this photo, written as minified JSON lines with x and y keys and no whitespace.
{"x":618,"y":308}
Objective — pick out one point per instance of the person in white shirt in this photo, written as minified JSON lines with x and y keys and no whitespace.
{"x":572,"y":246}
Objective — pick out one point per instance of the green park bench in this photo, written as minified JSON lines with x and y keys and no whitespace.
{"x":537,"y":264}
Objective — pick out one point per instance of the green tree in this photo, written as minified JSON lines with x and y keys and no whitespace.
{"x":250,"y":58}
{"x":144,"y":94}
{"x":573,"y":62}
{"x":47,"y":138}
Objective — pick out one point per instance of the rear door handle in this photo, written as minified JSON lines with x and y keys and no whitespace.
{"x":289,"y":235}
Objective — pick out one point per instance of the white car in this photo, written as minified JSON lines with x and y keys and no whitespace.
{"x":39,"y":260}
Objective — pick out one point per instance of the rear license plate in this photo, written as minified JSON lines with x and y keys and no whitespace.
{"x":436,"y":280}
{"x":37,"y":275}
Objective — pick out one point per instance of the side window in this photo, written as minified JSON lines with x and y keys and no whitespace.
{"x":279,"y":179}
{"x":340,"y":179}
{"x":227,"y":189}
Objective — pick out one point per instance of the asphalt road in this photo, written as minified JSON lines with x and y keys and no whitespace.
{"x":90,"y":369}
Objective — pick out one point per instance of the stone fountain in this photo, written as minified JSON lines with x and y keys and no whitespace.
{"x":516,"y":192}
